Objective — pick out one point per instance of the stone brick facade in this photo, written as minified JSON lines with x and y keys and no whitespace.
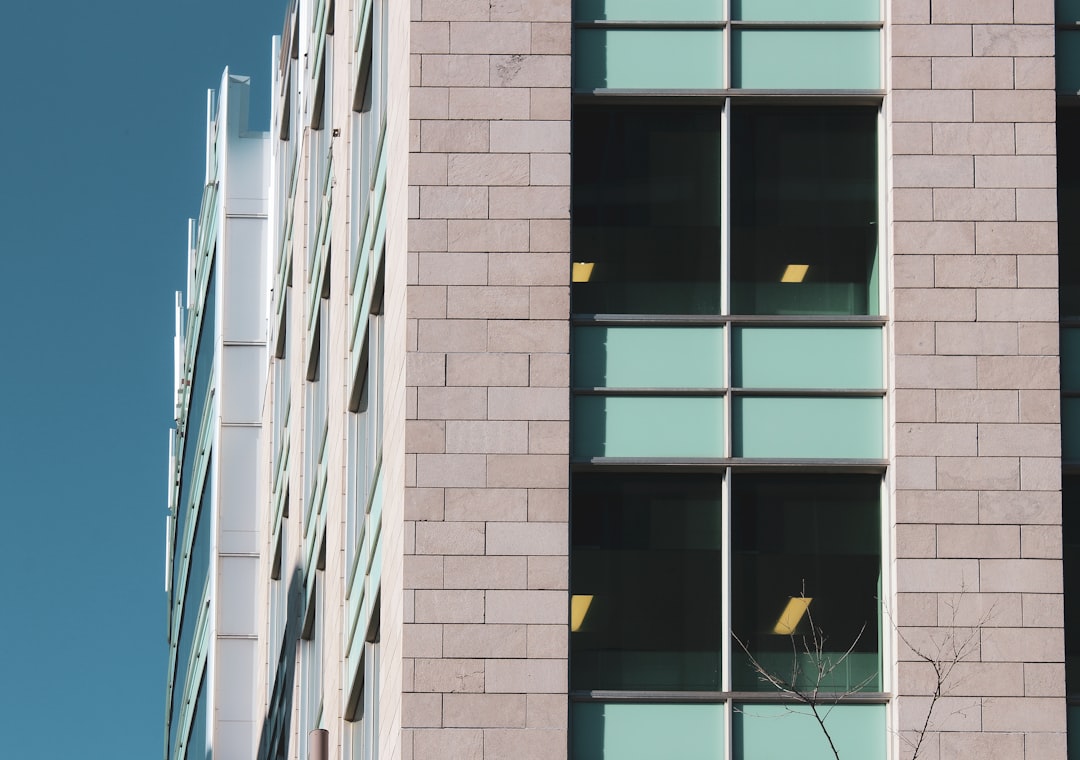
{"x":487,"y":373}
{"x":976,"y":441}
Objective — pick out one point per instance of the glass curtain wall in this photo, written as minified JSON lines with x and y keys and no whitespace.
{"x":728,"y":413}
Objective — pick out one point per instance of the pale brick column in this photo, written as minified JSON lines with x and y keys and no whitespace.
{"x":976,"y":448}
{"x":487,"y":377}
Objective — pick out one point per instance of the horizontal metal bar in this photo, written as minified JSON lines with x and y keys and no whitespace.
{"x":633,"y":24}
{"x":665,"y":464}
{"x":649,"y":696}
{"x":809,"y":25}
{"x":860,"y":698}
{"x":605,"y":391}
{"x":734,"y":24}
{"x":811,"y":392}
{"x":757,"y":697}
{"x":826,"y":97}
{"x":650,"y":319}
{"x":600,"y":390}
{"x":853,"y":320}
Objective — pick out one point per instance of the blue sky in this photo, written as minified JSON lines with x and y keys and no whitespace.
{"x":103,"y":127}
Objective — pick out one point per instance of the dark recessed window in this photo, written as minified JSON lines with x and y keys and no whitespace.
{"x":646,"y":590}
{"x":804,"y":210}
{"x":1068,"y":157}
{"x":806,"y":568}
{"x":1070,"y":530}
{"x":647,"y":210}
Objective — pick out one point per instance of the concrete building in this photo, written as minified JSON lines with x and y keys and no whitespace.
{"x":643,"y":377}
{"x":213,"y":537}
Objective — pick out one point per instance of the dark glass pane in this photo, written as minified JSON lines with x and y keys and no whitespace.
{"x":646,"y":582}
{"x":799,"y":538}
{"x":1070,"y":530}
{"x":1068,"y":146}
{"x":804,"y":210}
{"x":646,"y":210}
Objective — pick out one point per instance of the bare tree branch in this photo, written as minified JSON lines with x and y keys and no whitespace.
{"x":955,"y":645}
{"x":943,"y":655}
{"x":822,"y":666}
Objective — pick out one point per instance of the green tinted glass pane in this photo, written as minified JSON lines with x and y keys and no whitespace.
{"x":1067,"y":63}
{"x":807,"y":357}
{"x":648,"y":10}
{"x":647,"y":558}
{"x":646,"y":221}
{"x":648,"y":426}
{"x":782,"y":428}
{"x":647,"y":732}
{"x":802,"y":10}
{"x":1067,"y":10}
{"x":799,"y":59}
{"x":805,"y":556}
{"x":784,"y":731}
{"x":804,"y":233}
{"x":649,"y":357}
{"x":648,"y":59}
{"x":1068,"y":172}
{"x":1070,"y":359}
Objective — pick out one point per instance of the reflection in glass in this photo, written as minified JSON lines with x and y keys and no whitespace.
{"x":814,"y":538}
{"x":646,"y":210}
{"x":804,"y":210}
{"x":647,"y":562}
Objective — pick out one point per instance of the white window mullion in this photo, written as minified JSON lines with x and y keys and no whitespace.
{"x":725,"y":604}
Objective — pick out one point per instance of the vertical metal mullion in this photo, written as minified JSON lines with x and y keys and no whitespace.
{"x":725,"y":263}
{"x":725,"y":607}
{"x":727,"y":44}
{"x":725,"y":309}
{"x":886,"y":623}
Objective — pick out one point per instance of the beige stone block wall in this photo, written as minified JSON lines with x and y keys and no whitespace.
{"x":975,"y":436}
{"x":485,"y":574}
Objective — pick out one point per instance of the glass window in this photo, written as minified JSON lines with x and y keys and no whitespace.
{"x":646,"y":210}
{"x":358,"y":484}
{"x":834,"y":59}
{"x":806,"y":569}
{"x":311,"y":652}
{"x":648,"y":59}
{"x":642,"y":731}
{"x":362,"y":723}
{"x":804,"y":210}
{"x":800,"y":10}
{"x":1070,"y":531}
{"x":787,"y":731}
{"x":363,"y":128}
{"x":647,"y":561}
{"x":1068,"y":156}
{"x":279,"y":590}
{"x":316,"y":398}
{"x":648,"y":10}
